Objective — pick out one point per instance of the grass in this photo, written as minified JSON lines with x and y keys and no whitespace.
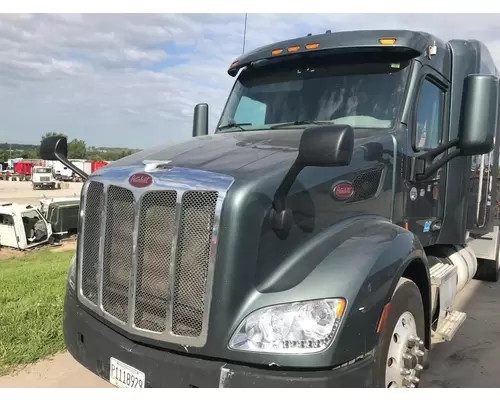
{"x":31,"y":307}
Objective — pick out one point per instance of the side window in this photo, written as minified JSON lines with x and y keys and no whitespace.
{"x":250,"y":111}
{"x":6,"y":219}
{"x":429,"y":116}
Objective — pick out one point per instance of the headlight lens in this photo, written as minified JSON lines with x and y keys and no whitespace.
{"x":301,"y":327}
{"x":72,"y":272}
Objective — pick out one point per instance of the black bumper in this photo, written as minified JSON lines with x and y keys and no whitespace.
{"x":92,"y":344}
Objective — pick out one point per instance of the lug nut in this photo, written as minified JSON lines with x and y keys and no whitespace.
{"x":419,"y":353}
{"x":419,"y":367}
{"x":405,"y":371}
{"x":409,"y":361}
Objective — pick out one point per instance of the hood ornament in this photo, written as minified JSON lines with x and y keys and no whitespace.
{"x":151,"y":165}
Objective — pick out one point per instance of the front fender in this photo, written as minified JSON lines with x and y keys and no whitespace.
{"x":361,"y":260}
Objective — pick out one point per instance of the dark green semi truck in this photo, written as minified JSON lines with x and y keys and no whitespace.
{"x":317,"y":238}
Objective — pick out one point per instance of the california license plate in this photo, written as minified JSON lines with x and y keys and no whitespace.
{"x":124,"y":376}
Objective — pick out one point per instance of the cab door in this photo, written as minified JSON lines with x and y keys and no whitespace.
{"x":428,"y":129}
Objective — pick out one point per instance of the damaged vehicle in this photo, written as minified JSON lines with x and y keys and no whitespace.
{"x":23,"y":226}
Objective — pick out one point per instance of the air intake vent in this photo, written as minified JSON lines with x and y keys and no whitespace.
{"x":367,"y":184}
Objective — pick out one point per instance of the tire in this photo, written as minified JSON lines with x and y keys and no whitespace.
{"x":401,"y":337}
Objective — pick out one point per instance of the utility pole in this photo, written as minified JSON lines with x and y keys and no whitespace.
{"x":244,"y":33}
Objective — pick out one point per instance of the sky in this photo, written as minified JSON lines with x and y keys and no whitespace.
{"x":132,"y":80}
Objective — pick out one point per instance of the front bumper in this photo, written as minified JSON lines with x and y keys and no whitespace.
{"x":92,"y":343}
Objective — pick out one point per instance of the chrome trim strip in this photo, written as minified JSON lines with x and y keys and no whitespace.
{"x":132,"y":289}
{"x":102,"y":231}
{"x":79,"y":252}
{"x":173,"y":262}
{"x":394,"y":175}
{"x":180,"y":180}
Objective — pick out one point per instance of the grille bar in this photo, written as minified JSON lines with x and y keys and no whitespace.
{"x":148,"y":254}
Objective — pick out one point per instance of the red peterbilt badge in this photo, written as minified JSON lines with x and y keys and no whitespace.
{"x":342,"y":191}
{"x":140,"y":180}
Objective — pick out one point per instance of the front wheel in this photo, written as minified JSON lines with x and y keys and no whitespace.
{"x":400,"y":349}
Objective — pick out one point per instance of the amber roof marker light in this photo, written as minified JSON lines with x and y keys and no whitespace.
{"x":312,"y":46}
{"x":292,"y":49}
{"x":276,"y":52}
{"x":387,"y":40}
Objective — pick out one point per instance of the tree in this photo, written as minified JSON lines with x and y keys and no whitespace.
{"x":77,"y":149}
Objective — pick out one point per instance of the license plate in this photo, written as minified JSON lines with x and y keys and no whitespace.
{"x":124,"y":376}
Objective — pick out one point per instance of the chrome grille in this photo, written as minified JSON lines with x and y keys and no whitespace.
{"x":118,"y":244}
{"x":197,"y":218}
{"x":154,"y":255}
{"x":146,"y":256}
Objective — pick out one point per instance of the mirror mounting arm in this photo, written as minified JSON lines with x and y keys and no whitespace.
{"x":442,"y":148}
{"x":73,"y":167}
{"x":423,"y":165}
{"x":438,"y":164}
{"x":281,"y":216}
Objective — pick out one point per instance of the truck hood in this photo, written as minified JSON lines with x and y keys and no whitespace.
{"x":235,"y":153}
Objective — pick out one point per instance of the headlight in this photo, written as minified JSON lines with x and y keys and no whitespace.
{"x":302,"y":327}
{"x":72,"y":272}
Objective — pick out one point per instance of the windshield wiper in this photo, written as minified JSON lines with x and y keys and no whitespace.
{"x":234,"y":125}
{"x":303,"y":122}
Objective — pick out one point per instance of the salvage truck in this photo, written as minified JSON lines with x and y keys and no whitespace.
{"x":318,"y":237}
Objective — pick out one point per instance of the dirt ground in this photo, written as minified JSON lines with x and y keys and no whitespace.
{"x":67,"y":244}
{"x":22,"y":192}
{"x":60,"y":371}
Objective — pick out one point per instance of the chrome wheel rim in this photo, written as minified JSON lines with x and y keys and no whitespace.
{"x":404,"y":361}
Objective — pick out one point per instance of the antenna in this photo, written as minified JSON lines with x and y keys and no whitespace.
{"x":244,"y":33}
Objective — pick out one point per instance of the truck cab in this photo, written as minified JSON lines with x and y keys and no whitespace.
{"x":317,"y":238}
{"x":43,"y":177}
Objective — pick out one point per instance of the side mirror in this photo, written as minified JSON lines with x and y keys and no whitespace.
{"x":53,"y":148}
{"x":320,"y":146}
{"x":200,"y":120}
{"x":326,"y":146}
{"x":479,"y":115}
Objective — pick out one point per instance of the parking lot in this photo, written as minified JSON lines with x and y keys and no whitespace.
{"x":22,"y":192}
{"x":470,"y":360}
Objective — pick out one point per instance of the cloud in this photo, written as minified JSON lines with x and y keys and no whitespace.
{"x":133,"y":79}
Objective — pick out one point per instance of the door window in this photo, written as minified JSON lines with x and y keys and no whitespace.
{"x":429,"y":126}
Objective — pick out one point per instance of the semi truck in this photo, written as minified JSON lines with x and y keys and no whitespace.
{"x":317,"y":238}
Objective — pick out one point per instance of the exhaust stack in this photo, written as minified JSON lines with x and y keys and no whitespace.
{"x":200,"y":120}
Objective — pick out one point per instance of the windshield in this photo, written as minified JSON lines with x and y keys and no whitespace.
{"x":363,"y":95}
{"x":43,"y":170}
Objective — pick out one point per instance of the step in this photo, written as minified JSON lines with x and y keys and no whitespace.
{"x":448,"y":327}
{"x":441,"y":272}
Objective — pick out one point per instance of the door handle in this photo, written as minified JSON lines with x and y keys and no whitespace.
{"x":436,"y":226}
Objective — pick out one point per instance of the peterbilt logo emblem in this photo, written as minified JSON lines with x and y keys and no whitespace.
{"x":342,"y":190}
{"x":140,"y":180}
